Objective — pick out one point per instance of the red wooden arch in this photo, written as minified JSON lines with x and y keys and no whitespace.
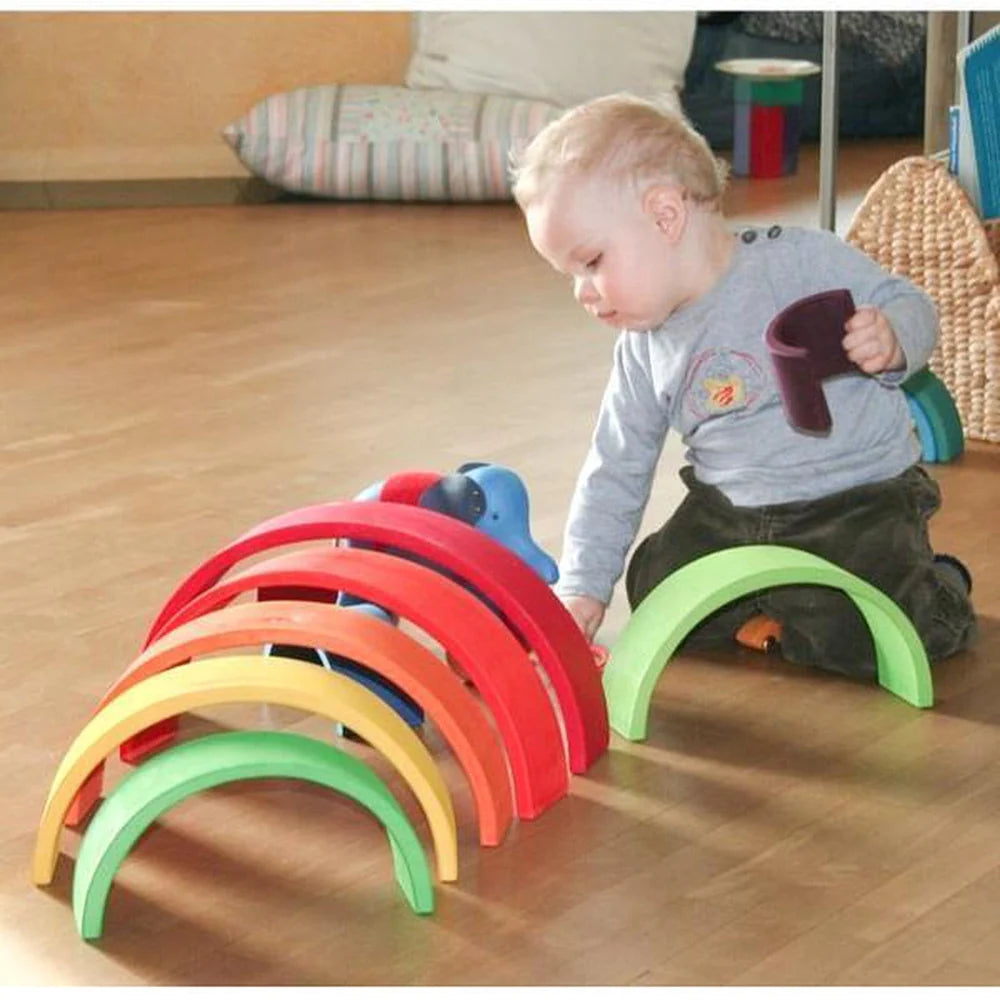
{"x":475,"y":637}
{"x":385,"y":649}
{"x":479,"y":642}
{"x":531,"y":608}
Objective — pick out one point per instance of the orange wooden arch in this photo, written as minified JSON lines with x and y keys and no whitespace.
{"x":385,"y":649}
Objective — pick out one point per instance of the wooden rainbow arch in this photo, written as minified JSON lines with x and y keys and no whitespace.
{"x":193,"y":767}
{"x":525,"y":600}
{"x":220,"y":680}
{"x":387,"y":650}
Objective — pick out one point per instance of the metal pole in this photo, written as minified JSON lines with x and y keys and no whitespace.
{"x":964,"y":28}
{"x":829,"y":126}
{"x":963,"y":35}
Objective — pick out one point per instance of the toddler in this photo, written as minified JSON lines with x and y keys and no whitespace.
{"x":624,"y":197}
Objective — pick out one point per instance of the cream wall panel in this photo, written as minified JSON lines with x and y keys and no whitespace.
{"x":104,"y":96}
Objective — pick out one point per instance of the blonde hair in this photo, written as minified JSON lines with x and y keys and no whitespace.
{"x":626,"y":139}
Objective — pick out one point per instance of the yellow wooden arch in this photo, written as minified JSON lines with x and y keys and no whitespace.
{"x":250,"y":678}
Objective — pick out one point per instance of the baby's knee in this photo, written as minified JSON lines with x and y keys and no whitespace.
{"x":832,"y":654}
{"x":823,"y":629}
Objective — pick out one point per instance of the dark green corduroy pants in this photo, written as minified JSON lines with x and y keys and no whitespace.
{"x":877,"y":531}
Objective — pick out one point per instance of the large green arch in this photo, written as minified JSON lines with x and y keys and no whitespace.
{"x":688,"y":595}
{"x":184,"y":770}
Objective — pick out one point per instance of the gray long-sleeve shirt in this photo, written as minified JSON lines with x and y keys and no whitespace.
{"x":706,"y":372}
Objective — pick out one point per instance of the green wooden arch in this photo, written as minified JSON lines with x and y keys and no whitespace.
{"x":688,"y":595}
{"x":175,"y":774}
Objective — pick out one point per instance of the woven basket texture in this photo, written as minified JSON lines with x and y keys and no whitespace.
{"x":917,"y":222}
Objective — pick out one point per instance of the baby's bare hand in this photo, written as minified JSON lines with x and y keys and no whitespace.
{"x":871,"y":341}
{"x":587,"y":612}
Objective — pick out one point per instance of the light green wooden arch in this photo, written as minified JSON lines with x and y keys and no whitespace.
{"x":184,"y":770}
{"x":687,"y":596}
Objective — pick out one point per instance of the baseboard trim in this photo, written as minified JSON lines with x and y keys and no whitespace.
{"x":17,"y":195}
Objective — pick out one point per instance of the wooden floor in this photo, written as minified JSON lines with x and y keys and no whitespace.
{"x":171,"y":377}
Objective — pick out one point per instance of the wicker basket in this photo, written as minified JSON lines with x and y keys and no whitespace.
{"x":917,"y":222}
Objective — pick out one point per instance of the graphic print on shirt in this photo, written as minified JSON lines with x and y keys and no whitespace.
{"x":721,"y":381}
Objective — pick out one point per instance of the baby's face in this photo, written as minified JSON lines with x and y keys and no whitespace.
{"x":624,"y":270}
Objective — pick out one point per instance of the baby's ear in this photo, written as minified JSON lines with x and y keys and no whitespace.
{"x":665,"y":205}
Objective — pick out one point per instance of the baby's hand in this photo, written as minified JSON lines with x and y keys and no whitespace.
{"x":587,"y":612}
{"x":871,"y":341}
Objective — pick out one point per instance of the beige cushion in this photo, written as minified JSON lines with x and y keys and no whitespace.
{"x":564,"y":58}
{"x":386,"y":143}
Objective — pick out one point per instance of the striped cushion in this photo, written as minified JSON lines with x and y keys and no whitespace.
{"x":386,"y":143}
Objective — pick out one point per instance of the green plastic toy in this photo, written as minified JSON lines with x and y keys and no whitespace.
{"x":693,"y":592}
{"x":168,"y":778}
